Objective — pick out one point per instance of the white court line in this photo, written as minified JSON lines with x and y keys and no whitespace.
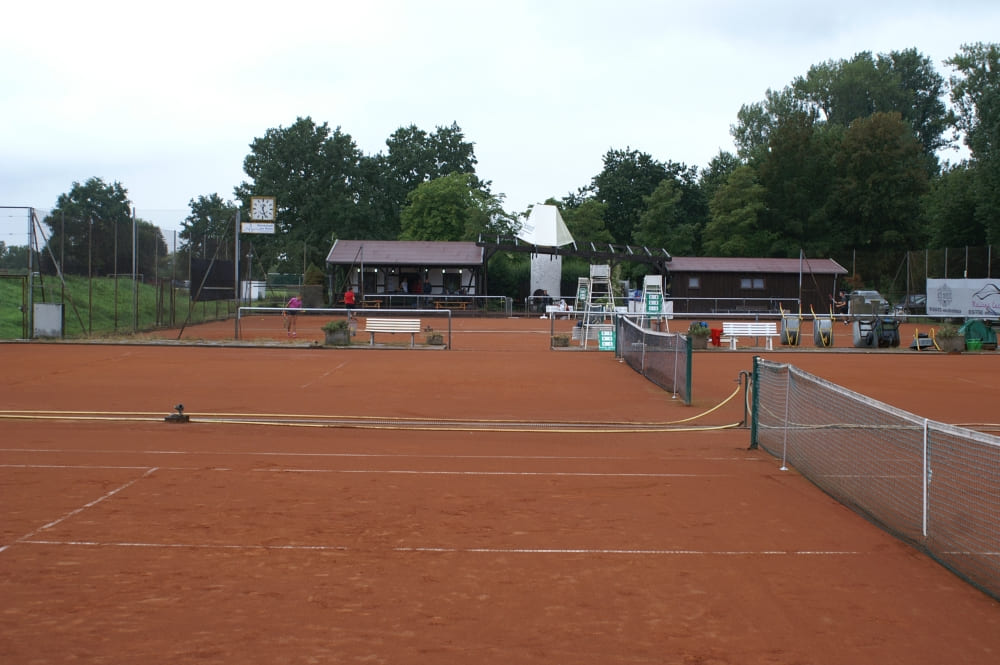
{"x":378,"y":471}
{"x":503,"y":473}
{"x":324,"y":375}
{"x":72,"y":466}
{"x":448,"y":550}
{"x":79,"y":510}
{"x":275,"y":453}
{"x":102,"y":467}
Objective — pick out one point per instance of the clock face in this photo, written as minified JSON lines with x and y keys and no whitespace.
{"x":262,"y":208}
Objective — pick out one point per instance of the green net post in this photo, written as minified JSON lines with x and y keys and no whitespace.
{"x":755,"y":403}
{"x":687,"y":384}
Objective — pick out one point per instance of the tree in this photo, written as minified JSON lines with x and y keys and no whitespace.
{"x":796,"y":175}
{"x":627,"y":178}
{"x":585,"y":221}
{"x":975,"y":91}
{"x":757,"y":122}
{"x":454,"y":208}
{"x":881,"y":177}
{"x":210,"y":225}
{"x":735,"y":229}
{"x":90,"y":232}
{"x":717,"y":173}
{"x":949,"y":209}
{"x":317,"y":176}
{"x":663,"y":223}
{"x":414,"y":157}
{"x":900,"y":81}
{"x":14,"y":257}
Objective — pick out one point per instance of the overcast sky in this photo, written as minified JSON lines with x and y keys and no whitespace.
{"x":165,"y":98}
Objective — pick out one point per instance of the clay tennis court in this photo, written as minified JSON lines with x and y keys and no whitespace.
{"x":495,"y":503}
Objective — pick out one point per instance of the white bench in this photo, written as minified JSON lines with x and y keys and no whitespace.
{"x":757,"y":329}
{"x":373,"y":326}
{"x":554,"y":310}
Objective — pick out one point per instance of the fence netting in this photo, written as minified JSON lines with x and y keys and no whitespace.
{"x":663,"y":358}
{"x":932,"y":484}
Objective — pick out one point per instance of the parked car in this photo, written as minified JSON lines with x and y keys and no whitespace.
{"x":867,"y":302}
{"x":915,"y":303}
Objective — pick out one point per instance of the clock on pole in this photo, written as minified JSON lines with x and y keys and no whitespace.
{"x":263,"y":212}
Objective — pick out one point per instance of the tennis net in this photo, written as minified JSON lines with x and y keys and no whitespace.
{"x":932,"y":484}
{"x":663,"y":358}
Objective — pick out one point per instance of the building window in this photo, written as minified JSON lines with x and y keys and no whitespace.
{"x":748,"y":283}
{"x":694,"y":282}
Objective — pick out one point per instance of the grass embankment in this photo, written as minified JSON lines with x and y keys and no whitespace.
{"x":103,"y":306}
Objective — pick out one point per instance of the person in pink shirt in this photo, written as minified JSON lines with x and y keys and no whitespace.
{"x":290,"y":313}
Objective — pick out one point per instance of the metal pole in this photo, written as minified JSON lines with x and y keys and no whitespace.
{"x":62,"y":254}
{"x":135,"y":274}
{"x":90,"y":276}
{"x":236,"y":275}
{"x":115,"y":268}
{"x":31,"y":273}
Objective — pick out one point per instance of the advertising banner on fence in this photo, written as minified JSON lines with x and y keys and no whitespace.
{"x":969,"y":298}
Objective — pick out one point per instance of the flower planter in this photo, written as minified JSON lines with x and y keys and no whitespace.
{"x":698,"y":341}
{"x":951,"y":344}
{"x":337,"y":337}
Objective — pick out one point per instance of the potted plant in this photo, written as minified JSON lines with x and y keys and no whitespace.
{"x":337,"y":333}
{"x":560,"y":340}
{"x":698,"y":334}
{"x":433,"y":337}
{"x":949,"y":338}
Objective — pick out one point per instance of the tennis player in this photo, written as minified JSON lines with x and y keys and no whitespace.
{"x":290,"y":314}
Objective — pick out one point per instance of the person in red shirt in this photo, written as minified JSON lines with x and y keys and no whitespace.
{"x":349,"y":300}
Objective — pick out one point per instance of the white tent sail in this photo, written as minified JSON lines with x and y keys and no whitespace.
{"x":545,"y":227}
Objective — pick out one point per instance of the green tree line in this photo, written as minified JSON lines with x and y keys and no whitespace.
{"x":852,"y":157}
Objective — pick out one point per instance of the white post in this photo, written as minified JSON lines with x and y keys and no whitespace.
{"x":927,"y":481}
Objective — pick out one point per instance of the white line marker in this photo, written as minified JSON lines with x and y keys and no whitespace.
{"x":450,"y":550}
{"x":82,"y":508}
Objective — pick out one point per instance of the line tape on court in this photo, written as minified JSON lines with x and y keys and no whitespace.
{"x":447,"y":550}
{"x":377,"y":422}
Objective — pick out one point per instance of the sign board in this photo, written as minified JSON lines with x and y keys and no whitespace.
{"x":654,"y":303}
{"x":969,"y":298}
{"x":606,"y":340}
{"x":257,"y":227}
{"x":48,"y":319}
{"x":581,"y":295}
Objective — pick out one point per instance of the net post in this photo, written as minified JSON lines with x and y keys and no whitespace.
{"x":754,"y":443}
{"x":687,"y":380}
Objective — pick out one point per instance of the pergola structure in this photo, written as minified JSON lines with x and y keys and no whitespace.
{"x":595,"y":253}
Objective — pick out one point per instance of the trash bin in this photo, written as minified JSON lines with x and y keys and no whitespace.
{"x":715,"y":336}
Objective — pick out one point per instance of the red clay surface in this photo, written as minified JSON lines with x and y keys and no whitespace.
{"x":126,"y":539}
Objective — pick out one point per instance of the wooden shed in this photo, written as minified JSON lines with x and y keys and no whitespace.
{"x":724,"y":284}
{"x":374,"y":267}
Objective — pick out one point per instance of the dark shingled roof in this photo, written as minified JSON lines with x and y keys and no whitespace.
{"x":750,"y":265}
{"x":405,"y":253}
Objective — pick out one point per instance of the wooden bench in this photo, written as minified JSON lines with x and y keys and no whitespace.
{"x":450,"y":304}
{"x":373,"y":326}
{"x":757,"y":329}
